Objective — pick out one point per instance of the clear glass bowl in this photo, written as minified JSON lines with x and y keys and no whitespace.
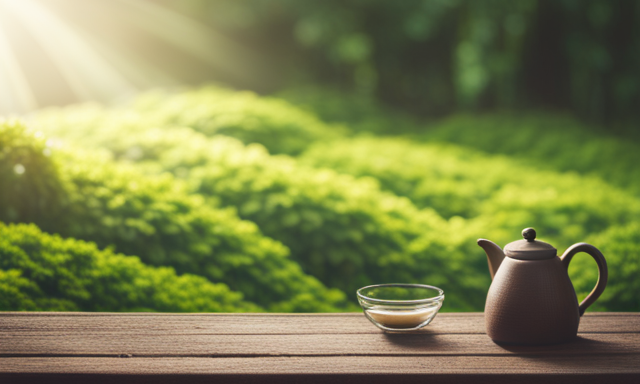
{"x":400,"y":307}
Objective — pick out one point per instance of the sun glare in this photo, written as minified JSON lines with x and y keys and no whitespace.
{"x":60,"y":51}
{"x":15,"y":95}
{"x":87,"y":73}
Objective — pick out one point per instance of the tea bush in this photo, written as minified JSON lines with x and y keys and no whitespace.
{"x":356,"y":211}
{"x":437,"y":176}
{"x":505,"y":193}
{"x":499,"y":197}
{"x":339,"y":228}
{"x":30,"y":181}
{"x":359,"y":112}
{"x":156,"y":218}
{"x":45,"y":272}
{"x":547,"y":141}
{"x":621,"y":247}
{"x":553,"y":141}
{"x":20,"y":294}
{"x":272,"y":122}
{"x":344,"y":231}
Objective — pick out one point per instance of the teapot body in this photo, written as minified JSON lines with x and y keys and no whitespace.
{"x":532,"y":302}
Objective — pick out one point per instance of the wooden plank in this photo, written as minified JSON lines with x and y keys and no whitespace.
{"x":354,"y":323}
{"x":457,"y":369}
{"x":319,"y":365}
{"x":196,"y":324}
{"x":83,"y":347}
{"x":424,"y":344}
{"x":333,"y":378}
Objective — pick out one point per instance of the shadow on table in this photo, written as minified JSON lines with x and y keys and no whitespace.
{"x":415,"y":340}
{"x":562,"y":354}
{"x":579,"y":342}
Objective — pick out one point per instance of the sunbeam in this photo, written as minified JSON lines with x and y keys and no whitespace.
{"x":190,"y":36}
{"x":16,"y":95}
{"x":60,"y":51}
{"x":86,"y":72}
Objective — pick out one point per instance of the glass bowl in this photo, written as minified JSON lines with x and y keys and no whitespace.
{"x":400,"y":307}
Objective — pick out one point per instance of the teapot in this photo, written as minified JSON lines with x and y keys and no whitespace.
{"x":531,"y":299}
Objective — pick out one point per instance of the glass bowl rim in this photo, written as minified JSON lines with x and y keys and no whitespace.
{"x":437,"y":298}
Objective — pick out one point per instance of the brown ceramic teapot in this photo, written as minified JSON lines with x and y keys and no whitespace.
{"x":531,"y":299}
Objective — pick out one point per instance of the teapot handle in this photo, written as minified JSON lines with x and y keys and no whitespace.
{"x":603,"y":273}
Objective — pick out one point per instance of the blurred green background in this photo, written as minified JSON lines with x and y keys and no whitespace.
{"x":276,"y":155}
{"x":436,"y":57}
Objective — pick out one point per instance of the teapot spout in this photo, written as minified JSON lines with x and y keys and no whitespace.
{"x":495,"y":255}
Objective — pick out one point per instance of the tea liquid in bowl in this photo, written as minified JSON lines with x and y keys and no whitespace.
{"x":400,"y":318}
{"x":400,"y":307}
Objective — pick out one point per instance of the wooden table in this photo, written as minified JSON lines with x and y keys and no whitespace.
{"x":320,"y":348}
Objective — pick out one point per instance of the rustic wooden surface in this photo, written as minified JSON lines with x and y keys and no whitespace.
{"x":155,"y":348}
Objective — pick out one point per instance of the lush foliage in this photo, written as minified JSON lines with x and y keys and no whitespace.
{"x":30,"y":182}
{"x":549,"y":142}
{"x":621,"y":247}
{"x":272,"y":122}
{"x":442,"y":56}
{"x":47,"y":273}
{"x":458,"y":181}
{"x":344,"y":231}
{"x":156,"y":218}
{"x":352,"y":211}
{"x":361,"y":113}
{"x":499,"y":196}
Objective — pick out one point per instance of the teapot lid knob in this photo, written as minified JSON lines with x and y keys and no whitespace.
{"x":529,"y":248}
{"x":529,"y":234}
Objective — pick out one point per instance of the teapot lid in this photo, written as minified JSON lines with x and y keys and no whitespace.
{"x":530,"y":248}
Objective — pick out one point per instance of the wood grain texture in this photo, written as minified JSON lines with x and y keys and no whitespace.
{"x":210,"y":345}
{"x":328,"y":364}
{"x":350,"y":323}
{"x":435,"y":369}
{"x":103,"y":347}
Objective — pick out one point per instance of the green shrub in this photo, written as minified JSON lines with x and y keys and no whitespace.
{"x":20,"y":294}
{"x":29,"y":180}
{"x":549,"y":142}
{"x":345,"y":231}
{"x":156,"y":218}
{"x":496,"y":190}
{"x":621,"y":248}
{"x":451,"y":181}
{"x":339,"y":228}
{"x":499,"y":197}
{"x":45,"y":272}
{"x":360,"y":112}
{"x":333,"y":224}
{"x":272,"y":122}
{"x":349,"y":233}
